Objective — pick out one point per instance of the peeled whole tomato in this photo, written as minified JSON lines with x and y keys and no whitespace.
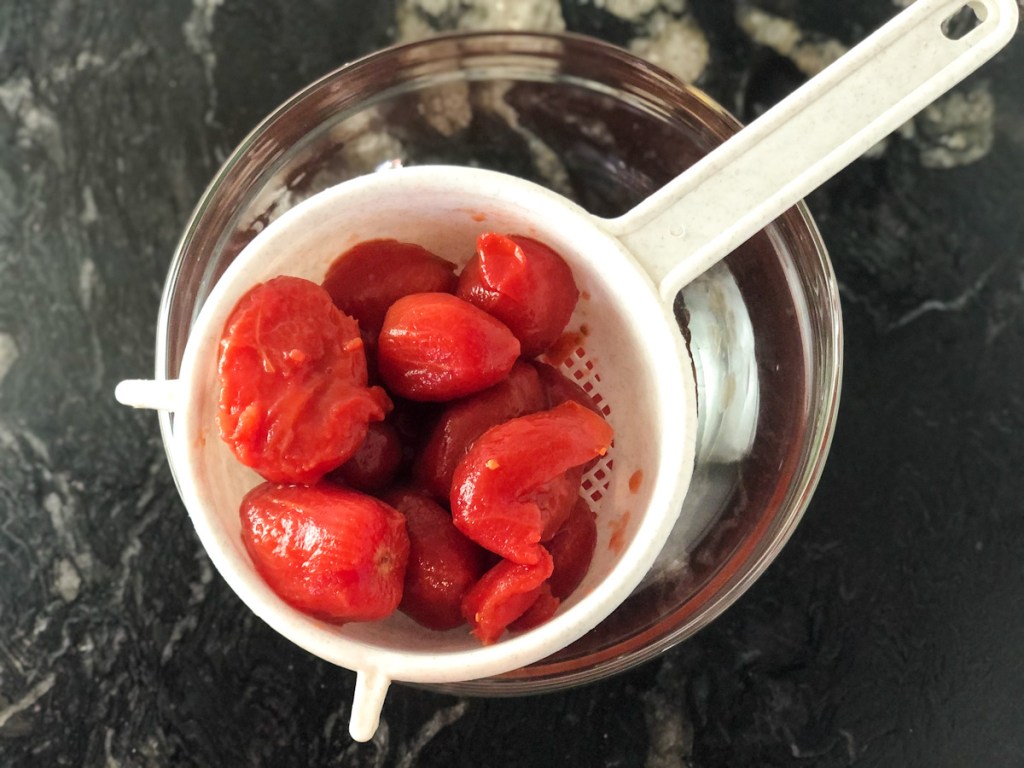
{"x":334,"y":553}
{"x":523,"y":283}
{"x":369,"y":277}
{"x":572,"y":548}
{"x":435,"y":347}
{"x":443,"y":564}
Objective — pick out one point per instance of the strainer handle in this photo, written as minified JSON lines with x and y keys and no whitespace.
{"x":367,"y":703}
{"x":156,"y":394}
{"x":725,"y":198}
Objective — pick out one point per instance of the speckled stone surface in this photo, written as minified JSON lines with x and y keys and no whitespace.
{"x":888,"y":633}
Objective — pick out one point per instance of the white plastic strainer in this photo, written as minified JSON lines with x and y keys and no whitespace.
{"x":628,"y":269}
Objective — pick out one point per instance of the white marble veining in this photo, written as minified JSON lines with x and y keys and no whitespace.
{"x":678,"y":45}
{"x":416,"y":19}
{"x":198,"y":31}
{"x":810,"y":53}
{"x":8,"y":354}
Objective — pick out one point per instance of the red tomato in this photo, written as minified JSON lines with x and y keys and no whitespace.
{"x":542,"y":609}
{"x":443,"y":564}
{"x":464,"y":421}
{"x":437,"y":347}
{"x":572,"y":549}
{"x":555,"y":500}
{"x":414,"y":421}
{"x":523,"y":283}
{"x":293,"y":397}
{"x":375,"y":463}
{"x":560,"y":388}
{"x":503,"y":594}
{"x":369,"y":277}
{"x":500,"y":489}
{"x":329,"y":551}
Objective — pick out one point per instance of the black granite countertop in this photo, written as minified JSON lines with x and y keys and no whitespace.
{"x":888,"y":633}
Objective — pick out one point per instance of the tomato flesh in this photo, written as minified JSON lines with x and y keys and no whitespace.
{"x":503,"y":594}
{"x":293,"y":397}
{"x":555,"y":500}
{"x":463,"y":421}
{"x":498,"y":490}
{"x":542,"y":609}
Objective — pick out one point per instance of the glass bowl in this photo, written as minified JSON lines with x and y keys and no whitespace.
{"x":605,"y":129}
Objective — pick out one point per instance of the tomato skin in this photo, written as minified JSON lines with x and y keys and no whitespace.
{"x":435,"y":347}
{"x":572,"y":549}
{"x":443,"y":564}
{"x":499,"y":489}
{"x":503,"y":594}
{"x":465,"y":420}
{"x":329,"y":551}
{"x":375,"y":463}
{"x":369,"y":277}
{"x":293,"y":397}
{"x":523,"y":283}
